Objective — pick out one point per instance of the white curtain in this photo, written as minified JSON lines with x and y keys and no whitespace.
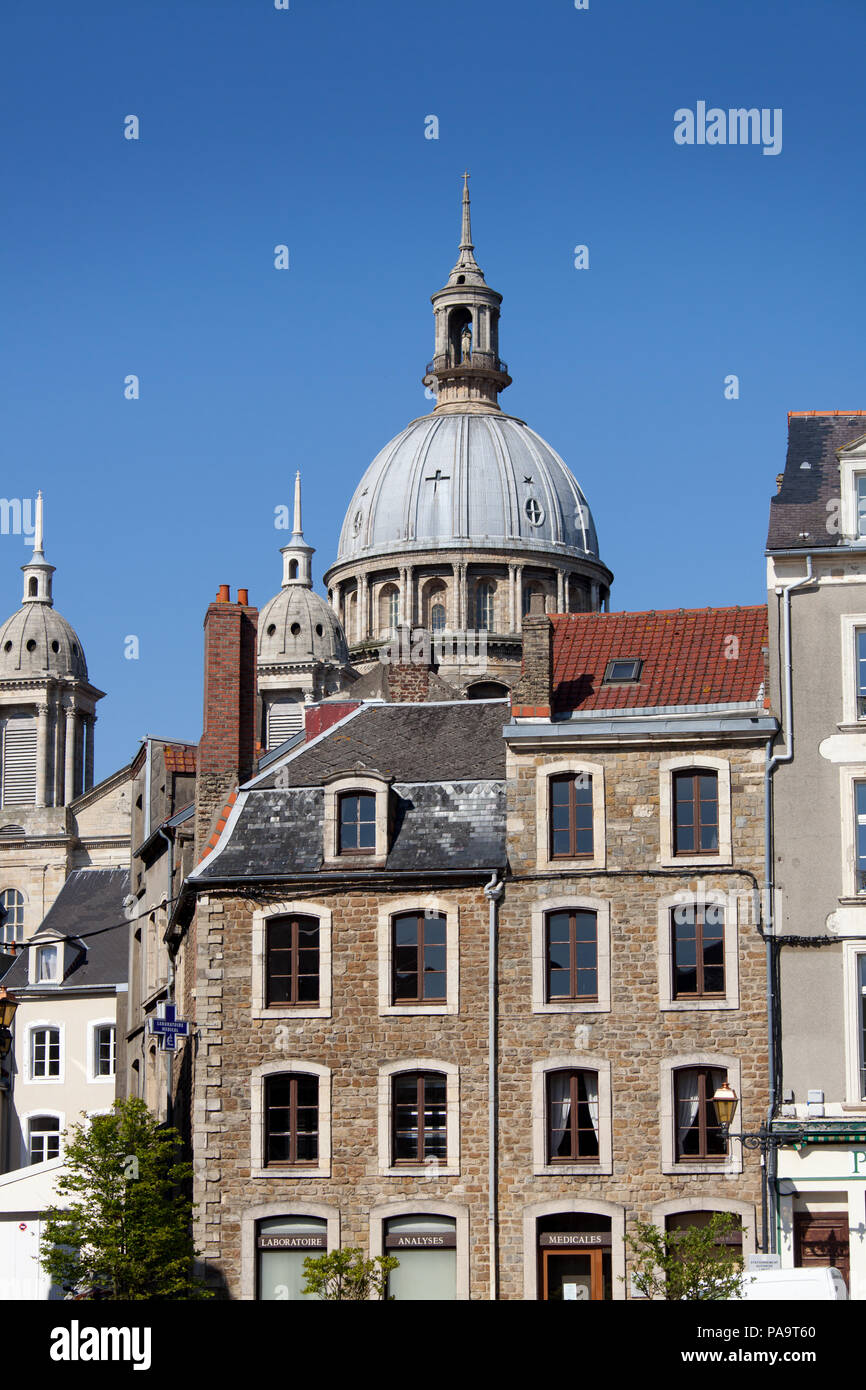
{"x":590,"y":1081}
{"x":687,"y":1102}
{"x":560,"y":1101}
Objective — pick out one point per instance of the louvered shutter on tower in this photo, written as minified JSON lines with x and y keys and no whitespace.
{"x":19,"y":763}
{"x":285,"y":718}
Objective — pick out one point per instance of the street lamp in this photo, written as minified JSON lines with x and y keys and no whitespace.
{"x":8,"y":1005}
{"x":726,"y":1101}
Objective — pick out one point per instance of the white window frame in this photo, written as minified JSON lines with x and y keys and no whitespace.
{"x":706,"y":897}
{"x":338,"y":786}
{"x":295,"y":1066}
{"x":459,"y":1213}
{"x":34,"y":956}
{"x":849,"y":625}
{"x":852,"y":951}
{"x":261,"y":917}
{"x":26,"y":1120}
{"x":92,"y":1074}
{"x":667,"y":768}
{"x":432,"y":903}
{"x":11,"y":888}
{"x":848,"y":815}
{"x":850,"y":466}
{"x":733,"y":1164}
{"x":571,"y":901}
{"x":426,"y":1171}
{"x":36,"y":1026}
{"x":542,"y":814}
{"x":572,"y":1061}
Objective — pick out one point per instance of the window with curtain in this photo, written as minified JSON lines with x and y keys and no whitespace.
{"x":699,"y":1134}
{"x":572,"y":1116}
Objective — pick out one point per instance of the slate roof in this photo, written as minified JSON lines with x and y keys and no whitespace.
{"x":686,"y":655}
{"x":89,"y":900}
{"x":411,"y":743}
{"x":799,"y":512}
{"x":447,"y":763}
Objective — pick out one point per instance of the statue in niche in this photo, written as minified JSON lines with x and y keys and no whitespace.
{"x":466,"y":344}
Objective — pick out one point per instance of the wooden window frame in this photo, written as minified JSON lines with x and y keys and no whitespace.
{"x":571,"y":778}
{"x":294,"y":976}
{"x":292,"y":1161}
{"x":692,"y":775}
{"x":418,"y":998}
{"x":363,"y":850}
{"x":574,"y":1074}
{"x":702,"y":1156}
{"x":420,"y":1158}
{"x":572,"y":997}
{"x":699,"y":910}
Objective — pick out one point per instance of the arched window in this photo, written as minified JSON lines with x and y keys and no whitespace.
{"x":484,"y":593}
{"x":283,"y":1243}
{"x":293,"y":569}
{"x":487,"y":690}
{"x":437,"y":617}
{"x":33,"y":586}
{"x":426,"y":1246}
{"x":43,"y":1132}
{"x":459,"y":324}
{"x":435,"y":598}
{"x":11,"y":915}
{"x":389,"y":608}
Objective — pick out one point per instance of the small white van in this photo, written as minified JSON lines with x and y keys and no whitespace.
{"x":818,"y":1281}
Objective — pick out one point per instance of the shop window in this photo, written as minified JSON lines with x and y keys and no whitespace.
{"x":426,"y":1246}
{"x":282,"y":1245}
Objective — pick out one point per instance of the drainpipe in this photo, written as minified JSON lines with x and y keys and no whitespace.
{"x":493,"y":892}
{"x":170,"y":876}
{"x":773,"y":761}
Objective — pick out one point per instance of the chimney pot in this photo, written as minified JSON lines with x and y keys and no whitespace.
{"x":243,"y":597}
{"x":223,"y":595}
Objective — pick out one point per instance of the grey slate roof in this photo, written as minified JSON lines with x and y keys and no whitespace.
{"x":448,"y":768}
{"x":799,"y":512}
{"x":89,"y":900}
{"x":411,"y":743}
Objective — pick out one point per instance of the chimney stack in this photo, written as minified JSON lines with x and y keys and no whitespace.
{"x":532,"y":697}
{"x":226,"y":752}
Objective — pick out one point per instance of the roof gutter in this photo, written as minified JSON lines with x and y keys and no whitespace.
{"x":712,"y":725}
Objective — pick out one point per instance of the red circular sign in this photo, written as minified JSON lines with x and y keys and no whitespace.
{"x":22,"y":1225}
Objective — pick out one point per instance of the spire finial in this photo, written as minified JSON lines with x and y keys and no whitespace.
{"x":297,"y":528}
{"x":466,"y":229}
{"x":37,"y":536}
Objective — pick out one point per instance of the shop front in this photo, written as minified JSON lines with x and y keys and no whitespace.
{"x":821,"y":1196}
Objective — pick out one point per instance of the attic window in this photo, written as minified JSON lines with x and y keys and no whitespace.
{"x":622,"y":671}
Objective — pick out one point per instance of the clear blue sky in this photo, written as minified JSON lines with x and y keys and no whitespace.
{"x":306,"y":127}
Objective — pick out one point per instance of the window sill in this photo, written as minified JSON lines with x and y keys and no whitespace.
{"x":417,"y":1010}
{"x":730,"y":1168}
{"x":293,"y":1173}
{"x":351,"y":862}
{"x":575,"y":1170}
{"x":696,"y":861}
{"x":697,"y":1005}
{"x":565,"y":866}
{"x":572,"y":1006}
{"x":858,"y":727}
{"x":425,"y":1172}
{"x":293,"y":1011}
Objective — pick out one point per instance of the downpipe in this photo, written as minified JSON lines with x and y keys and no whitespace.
{"x":493,"y":892}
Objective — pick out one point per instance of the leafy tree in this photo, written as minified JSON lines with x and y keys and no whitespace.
{"x":345,"y":1274}
{"x":125,"y":1231}
{"x":689,"y":1262}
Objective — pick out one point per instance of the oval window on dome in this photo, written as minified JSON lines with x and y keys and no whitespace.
{"x":272,"y":627}
{"x":296,"y":629}
{"x":31,"y":645}
{"x":357,"y":519}
{"x":319,"y":629}
{"x":7,"y":646}
{"x":74,"y":649}
{"x":55,"y":645}
{"x":534,"y":511}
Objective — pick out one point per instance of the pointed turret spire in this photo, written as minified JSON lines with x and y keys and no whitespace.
{"x":297,"y":555}
{"x":466,"y":262}
{"x":37,"y":574}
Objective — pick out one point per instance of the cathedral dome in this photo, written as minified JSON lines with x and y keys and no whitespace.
{"x":462,"y":478}
{"x":37,"y":641}
{"x":300,"y":627}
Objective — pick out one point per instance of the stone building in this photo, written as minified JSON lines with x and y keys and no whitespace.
{"x":466,"y":514}
{"x":423,"y":1027}
{"x":52,"y":817}
{"x":816,"y":580}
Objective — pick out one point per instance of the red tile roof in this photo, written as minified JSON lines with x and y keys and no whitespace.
{"x":179,"y":757}
{"x":691,"y":656}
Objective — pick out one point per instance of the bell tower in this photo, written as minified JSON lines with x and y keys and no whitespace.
{"x":466,"y":372}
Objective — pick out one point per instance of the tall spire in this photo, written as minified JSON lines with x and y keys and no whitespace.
{"x":297,"y":555}
{"x":466,"y":261}
{"x":37,"y":574}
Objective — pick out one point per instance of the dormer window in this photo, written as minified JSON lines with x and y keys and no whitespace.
{"x":622,"y":671}
{"x":861,"y":504}
{"x":357,"y":823}
{"x":48,"y":965}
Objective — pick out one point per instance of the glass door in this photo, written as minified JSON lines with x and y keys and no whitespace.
{"x":571,"y":1276}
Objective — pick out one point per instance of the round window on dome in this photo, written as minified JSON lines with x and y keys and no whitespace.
{"x":534,"y":511}
{"x":31,"y":645}
{"x":356,"y":522}
{"x":55,"y":645}
{"x":7,"y":646}
{"x":272,"y":627}
{"x":296,"y":629}
{"x":319,"y":629}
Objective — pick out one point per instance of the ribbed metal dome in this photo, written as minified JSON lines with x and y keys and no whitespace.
{"x":458,"y":478}
{"x":300,"y":626}
{"x":37,"y":641}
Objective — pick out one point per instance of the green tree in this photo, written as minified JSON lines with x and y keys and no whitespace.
{"x":124,"y":1231}
{"x":691,"y":1262}
{"x":345,"y":1274}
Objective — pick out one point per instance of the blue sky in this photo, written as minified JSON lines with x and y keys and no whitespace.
{"x":306,"y":127}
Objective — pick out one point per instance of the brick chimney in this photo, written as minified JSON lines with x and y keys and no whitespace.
{"x":227,"y":748}
{"x":532,"y":696}
{"x":408,"y":682}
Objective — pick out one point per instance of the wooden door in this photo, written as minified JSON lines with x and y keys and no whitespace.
{"x":821,"y":1238}
{"x":573,"y":1276}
